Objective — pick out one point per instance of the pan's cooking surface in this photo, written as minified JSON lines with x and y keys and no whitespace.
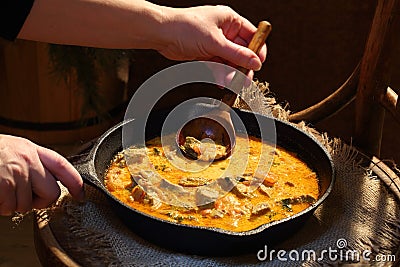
{"x":213,"y":241}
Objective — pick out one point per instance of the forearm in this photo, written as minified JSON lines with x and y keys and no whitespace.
{"x":98,"y":23}
{"x":214,"y":33}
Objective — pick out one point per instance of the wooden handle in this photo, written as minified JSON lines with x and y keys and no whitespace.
{"x":263,"y":30}
{"x":256,"y":43}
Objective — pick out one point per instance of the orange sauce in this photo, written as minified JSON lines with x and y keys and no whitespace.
{"x":287,"y":185}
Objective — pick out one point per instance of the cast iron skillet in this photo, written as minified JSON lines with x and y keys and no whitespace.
{"x":210,"y":241}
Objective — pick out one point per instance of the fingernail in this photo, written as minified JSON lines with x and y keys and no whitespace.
{"x":254,"y":64}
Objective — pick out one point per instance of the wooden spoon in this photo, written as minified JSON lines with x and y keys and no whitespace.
{"x":216,"y":125}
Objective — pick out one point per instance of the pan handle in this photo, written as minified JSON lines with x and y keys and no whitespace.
{"x":82,"y":165}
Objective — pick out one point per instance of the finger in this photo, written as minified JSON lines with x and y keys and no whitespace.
{"x":237,"y":54}
{"x":247,"y":29}
{"x":8,"y":200}
{"x":240,"y":41}
{"x":46,"y":190}
{"x":43,"y":184}
{"x":231,"y":29}
{"x":233,"y":23}
{"x":246,"y":33}
{"x":60,"y":168}
{"x":23,"y":194}
{"x":262,"y":54}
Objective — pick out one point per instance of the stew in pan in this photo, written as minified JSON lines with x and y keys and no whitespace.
{"x":258,"y":184}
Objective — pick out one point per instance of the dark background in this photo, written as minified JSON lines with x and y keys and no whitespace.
{"x":314,"y":46}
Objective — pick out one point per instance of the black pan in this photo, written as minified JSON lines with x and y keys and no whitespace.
{"x":201,"y":240}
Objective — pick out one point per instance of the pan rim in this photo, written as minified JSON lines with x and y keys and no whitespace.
{"x":259,"y":229}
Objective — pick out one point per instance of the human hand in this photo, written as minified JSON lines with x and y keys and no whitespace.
{"x":215,"y":33}
{"x":29,"y":174}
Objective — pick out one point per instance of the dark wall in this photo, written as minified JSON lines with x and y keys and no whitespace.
{"x":313,"y":48}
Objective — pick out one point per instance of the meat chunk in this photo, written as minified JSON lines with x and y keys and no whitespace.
{"x":260,"y":209}
{"x":134,"y":155}
{"x":231,"y":206}
{"x":206,"y":196}
{"x":205,"y":151}
{"x":242,"y":190}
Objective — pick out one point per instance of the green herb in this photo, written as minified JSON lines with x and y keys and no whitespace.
{"x":174,"y":215}
{"x":271,"y":214}
{"x":179,"y":219}
{"x":163,"y":167}
{"x":122,"y":164}
{"x":308,"y":199}
{"x":156,"y":151}
{"x":286,"y":204}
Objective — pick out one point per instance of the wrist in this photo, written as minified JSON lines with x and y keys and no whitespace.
{"x":167,"y":31}
{"x":159,"y":28}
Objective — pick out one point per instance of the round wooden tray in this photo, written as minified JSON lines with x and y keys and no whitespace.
{"x":48,"y":249}
{"x":51,"y":253}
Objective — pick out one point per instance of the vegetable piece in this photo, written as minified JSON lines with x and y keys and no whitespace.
{"x":266,"y":178}
{"x":268,"y":181}
{"x":138,"y":194}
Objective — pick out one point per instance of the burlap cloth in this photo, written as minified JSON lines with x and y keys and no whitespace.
{"x":361,"y":210}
